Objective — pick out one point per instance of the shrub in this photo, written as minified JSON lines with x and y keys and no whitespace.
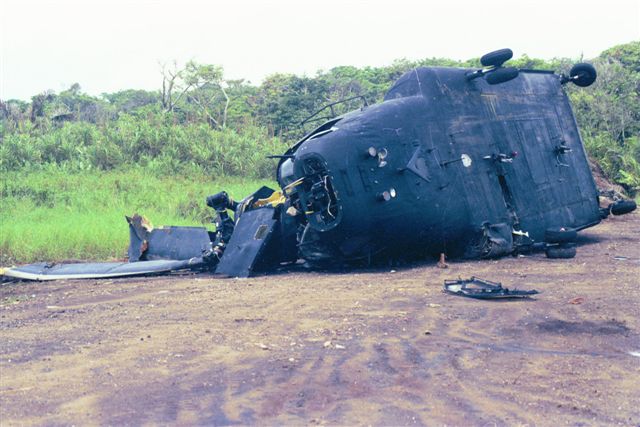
{"x":165,"y":147}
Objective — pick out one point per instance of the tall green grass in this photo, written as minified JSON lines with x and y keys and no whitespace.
{"x":52,"y":214}
{"x":155,"y":143}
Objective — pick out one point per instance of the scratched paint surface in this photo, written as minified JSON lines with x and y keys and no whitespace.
{"x":366,"y":347}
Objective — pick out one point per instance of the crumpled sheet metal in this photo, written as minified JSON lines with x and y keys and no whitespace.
{"x":147,"y":243}
{"x":475,"y":287}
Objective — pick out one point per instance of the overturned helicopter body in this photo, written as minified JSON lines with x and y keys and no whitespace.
{"x":471,"y":163}
{"x":444,"y":164}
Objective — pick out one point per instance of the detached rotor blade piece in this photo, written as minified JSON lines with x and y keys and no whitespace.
{"x":99,"y":270}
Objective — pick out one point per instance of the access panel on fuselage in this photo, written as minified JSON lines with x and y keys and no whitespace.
{"x":548,"y":187}
{"x":476,"y":177}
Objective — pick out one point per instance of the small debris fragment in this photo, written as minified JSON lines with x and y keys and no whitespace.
{"x":262,"y":346}
{"x":576,"y":301}
{"x":340,"y":347}
{"x":441,"y":262}
{"x":433,"y":305}
{"x":483,"y":289}
{"x":291,"y":359}
{"x":327,"y":344}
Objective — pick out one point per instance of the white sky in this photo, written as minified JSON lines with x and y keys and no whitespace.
{"x":113,"y":45}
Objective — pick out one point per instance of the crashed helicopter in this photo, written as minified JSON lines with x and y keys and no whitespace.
{"x":474,"y":163}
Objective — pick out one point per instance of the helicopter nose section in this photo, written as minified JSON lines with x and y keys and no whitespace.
{"x":318,"y":196}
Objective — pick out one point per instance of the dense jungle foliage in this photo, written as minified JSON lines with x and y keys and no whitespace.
{"x":198,"y":120}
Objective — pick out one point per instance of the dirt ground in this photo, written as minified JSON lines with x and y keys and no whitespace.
{"x":366,"y":347}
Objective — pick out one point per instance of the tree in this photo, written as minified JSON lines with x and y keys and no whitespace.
{"x":38,"y":104}
{"x":206,"y":83}
{"x":172,"y":81}
{"x":74,"y":104}
{"x":131,"y":99}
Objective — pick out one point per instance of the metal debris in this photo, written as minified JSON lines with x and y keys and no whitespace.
{"x":483,"y":289}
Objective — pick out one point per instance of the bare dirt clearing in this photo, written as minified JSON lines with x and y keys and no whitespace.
{"x":360,"y":348}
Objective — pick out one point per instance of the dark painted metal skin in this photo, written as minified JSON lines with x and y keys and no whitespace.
{"x":524,"y":166}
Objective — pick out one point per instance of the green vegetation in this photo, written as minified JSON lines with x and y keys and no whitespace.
{"x":608,"y":115}
{"x":165,"y":148}
{"x":74,"y":164}
{"x":53,"y":215}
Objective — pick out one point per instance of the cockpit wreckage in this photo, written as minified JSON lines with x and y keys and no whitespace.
{"x":471,"y":163}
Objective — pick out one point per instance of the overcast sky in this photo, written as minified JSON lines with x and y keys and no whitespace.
{"x":110,"y":45}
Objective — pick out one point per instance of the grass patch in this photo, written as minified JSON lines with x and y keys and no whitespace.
{"x":53,"y":215}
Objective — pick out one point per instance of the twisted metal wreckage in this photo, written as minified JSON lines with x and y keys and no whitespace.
{"x":471,"y":163}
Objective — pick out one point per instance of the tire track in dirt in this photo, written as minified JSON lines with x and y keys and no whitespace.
{"x":370,"y":347}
